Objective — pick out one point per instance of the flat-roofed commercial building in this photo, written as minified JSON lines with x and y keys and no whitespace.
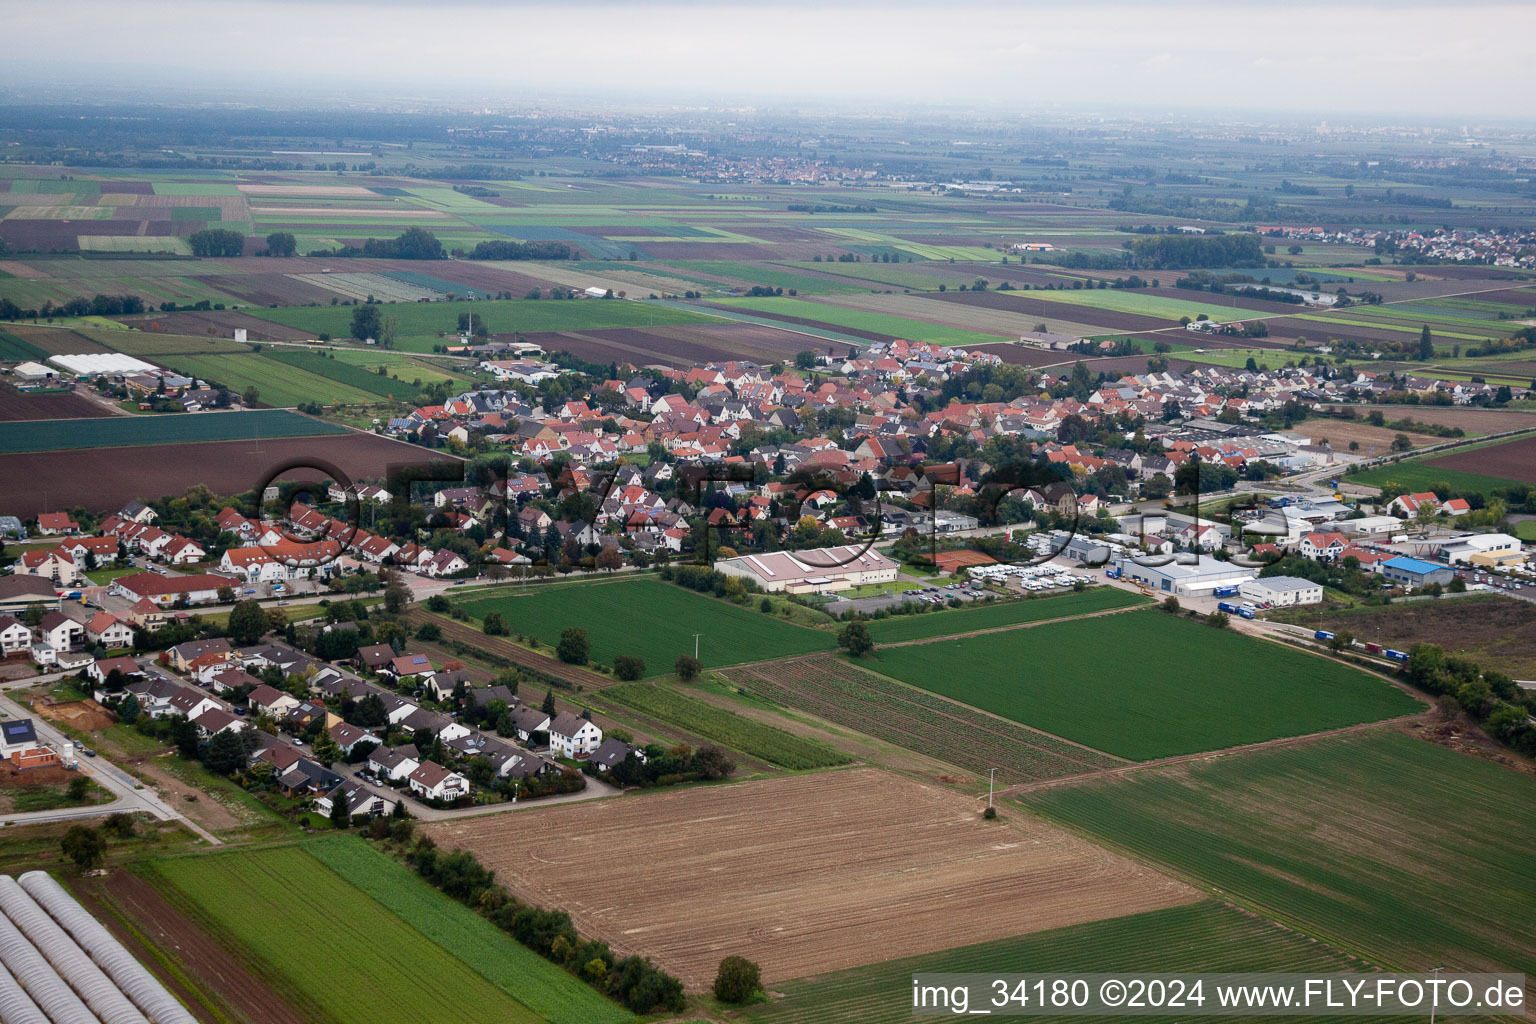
{"x":813,"y":571}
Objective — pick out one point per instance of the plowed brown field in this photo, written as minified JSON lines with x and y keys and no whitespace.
{"x":803,"y":875}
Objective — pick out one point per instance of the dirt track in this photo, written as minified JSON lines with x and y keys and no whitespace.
{"x":806,"y":874}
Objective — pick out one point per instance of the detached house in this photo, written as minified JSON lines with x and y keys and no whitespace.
{"x":573,"y":736}
{"x":432,"y":781}
{"x":109,"y":631}
{"x":15,"y":636}
{"x":1323,"y":545}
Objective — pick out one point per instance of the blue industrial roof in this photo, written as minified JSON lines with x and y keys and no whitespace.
{"x":1407,"y":564}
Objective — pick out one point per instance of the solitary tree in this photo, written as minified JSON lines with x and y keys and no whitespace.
{"x":396,"y":593}
{"x":1426,"y":345}
{"x":573,"y":648}
{"x":493,"y":624}
{"x":737,"y":980}
{"x":548,"y":707}
{"x":855,"y":639}
{"x":85,"y":846}
{"x":340,"y":818}
{"x":225,"y":754}
{"x":282,"y":243}
{"x":327,"y":750}
{"x":628,"y":667}
{"x":365,"y":321}
{"x":247,"y":623}
{"x":687,"y":667}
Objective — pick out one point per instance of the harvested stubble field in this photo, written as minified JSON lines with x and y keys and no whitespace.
{"x":104,"y":480}
{"x":677,"y":346}
{"x":1497,"y":632}
{"x":1512,"y":460}
{"x":917,"y":720}
{"x":1019,"y":305}
{"x":804,"y":874}
{"x":16,"y":406}
{"x":1372,"y":440}
{"x":1184,"y":688}
{"x":1401,"y":850}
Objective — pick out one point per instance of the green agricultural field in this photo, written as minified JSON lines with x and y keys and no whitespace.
{"x":1129,"y":300}
{"x":769,"y":276}
{"x":991,"y":616}
{"x":510,"y":966}
{"x":277,"y":384}
{"x":862,"y":320}
{"x":329,"y":930}
{"x":1205,"y":936}
{"x":120,"y":431}
{"x":149,"y":343}
{"x":15,"y":350}
{"x":401,"y":365}
{"x":1145,"y":684}
{"x":344,"y":373}
{"x":419,"y":323}
{"x":1418,"y":475}
{"x":650,"y":619}
{"x":697,"y":716}
{"x":1412,"y":854}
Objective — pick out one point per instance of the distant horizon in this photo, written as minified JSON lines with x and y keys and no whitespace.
{"x":1357,"y":59}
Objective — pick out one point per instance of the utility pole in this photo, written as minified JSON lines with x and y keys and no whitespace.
{"x":1436,"y":971}
{"x":991,"y":774}
{"x":696,"y":645}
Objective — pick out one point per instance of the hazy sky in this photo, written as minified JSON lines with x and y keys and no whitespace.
{"x":1442,"y":60}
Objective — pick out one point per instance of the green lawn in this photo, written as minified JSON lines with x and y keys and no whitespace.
{"x":1205,"y":936}
{"x":506,"y":963}
{"x":1400,"y":849}
{"x":101,"y":577}
{"x":120,"y":431}
{"x":329,"y":941}
{"x":1145,"y":684}
{"x":863,"y":320}
{"x":1525,"y":529}
{"x":419,"y":323}
{"x":990,"y":616}
{"x":698,"y":716}
{"x":651,"y":619}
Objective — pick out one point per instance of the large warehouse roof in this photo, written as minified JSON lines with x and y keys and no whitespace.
{"x":88,"y":363}
{"x":798,"y":566}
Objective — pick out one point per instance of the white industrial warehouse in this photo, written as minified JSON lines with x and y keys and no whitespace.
{"x":1187,"y":575}
{"x":60,"y":966}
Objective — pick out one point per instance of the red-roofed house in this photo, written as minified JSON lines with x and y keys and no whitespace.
{"x":1323,"y":545}
{"x":50,"y":524}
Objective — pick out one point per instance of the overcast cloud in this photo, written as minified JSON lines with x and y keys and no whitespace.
{"x":1459,"y":61}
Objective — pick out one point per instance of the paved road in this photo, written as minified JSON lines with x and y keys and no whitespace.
{"x":129,"y":795}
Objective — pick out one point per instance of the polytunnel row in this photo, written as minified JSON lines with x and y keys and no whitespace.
{"x":131,"y":976}
{"x":63,"y":967}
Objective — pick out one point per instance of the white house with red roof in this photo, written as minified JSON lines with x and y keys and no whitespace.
{"x":51,"y":524}
{"x":1323,"y":545}
{"x":1410,"y":505}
